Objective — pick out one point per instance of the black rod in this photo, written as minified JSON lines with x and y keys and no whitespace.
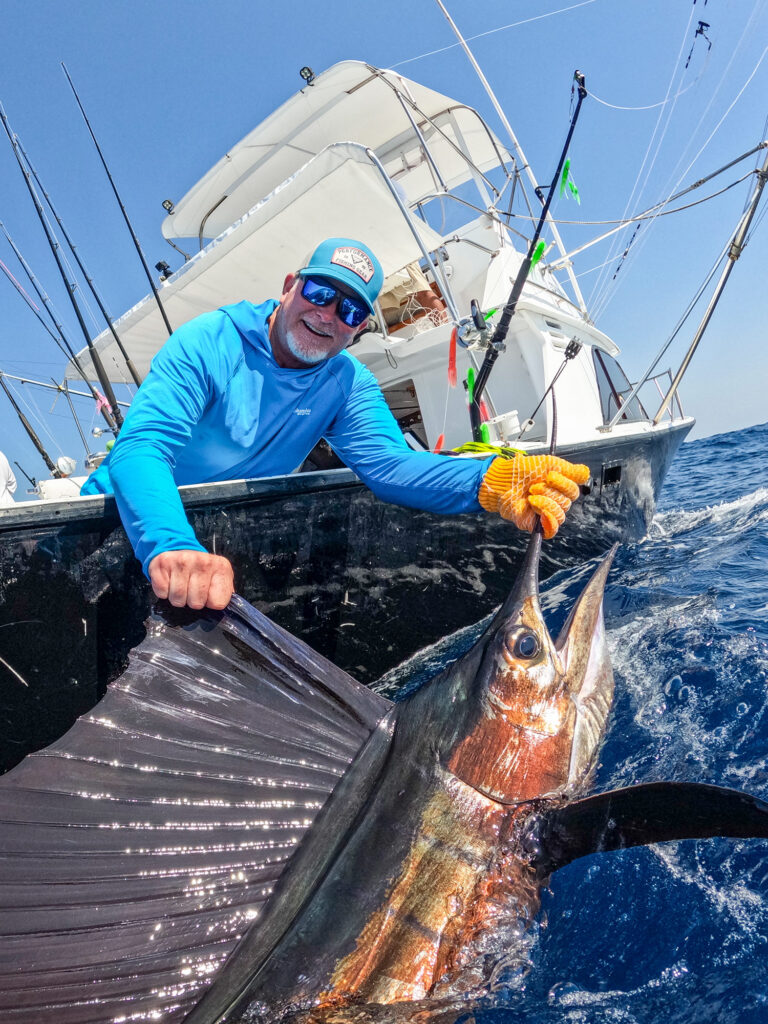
{"x":73,"y":248}
{"x":54,"y":247}
{"x":120,"y":204}
{"x":502,"y":328}
{"x":61,"y":340}
{"x":30,"y":432}
{"x":26,"y":474}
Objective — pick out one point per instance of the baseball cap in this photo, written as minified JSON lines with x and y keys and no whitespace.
{"x":349,"y":262}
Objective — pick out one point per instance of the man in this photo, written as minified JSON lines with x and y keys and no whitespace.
{"x":248,"y":390}
{"x":7,"y":482}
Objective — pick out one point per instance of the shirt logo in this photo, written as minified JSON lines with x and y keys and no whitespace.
{"x":302,"y":412}
{"x":355,"y":260}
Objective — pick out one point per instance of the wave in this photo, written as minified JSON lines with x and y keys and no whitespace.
{"x":747,"y":511}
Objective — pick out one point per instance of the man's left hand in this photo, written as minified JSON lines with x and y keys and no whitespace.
{"x":528,"y":486}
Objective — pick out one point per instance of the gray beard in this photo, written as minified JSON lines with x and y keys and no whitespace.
{"x":299,"y":352}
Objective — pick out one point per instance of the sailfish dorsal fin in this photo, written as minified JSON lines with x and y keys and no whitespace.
{"x":138,"y":848}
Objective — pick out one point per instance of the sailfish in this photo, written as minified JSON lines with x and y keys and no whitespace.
{"x":241,"y":832}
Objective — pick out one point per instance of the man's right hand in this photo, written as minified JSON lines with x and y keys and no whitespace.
{"x":196,"y":579}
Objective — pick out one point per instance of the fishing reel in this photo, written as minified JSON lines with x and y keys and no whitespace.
{"x":475,"y":331}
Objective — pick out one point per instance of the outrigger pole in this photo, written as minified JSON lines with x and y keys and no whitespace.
{"x":734,"y":251}
{"x":95,"y":357}
{"x":120,"y":204}
{"x":61,"y":340}
{"x":128,"y":361}
{"x":53,"y":469}
{"x":61,"y":389}
{"x":496,"y":344}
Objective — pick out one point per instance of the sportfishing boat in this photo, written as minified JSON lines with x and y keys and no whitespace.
{"x":465,"y":240}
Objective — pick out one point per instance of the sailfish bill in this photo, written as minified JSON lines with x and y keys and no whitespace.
{"x":241,"y":832}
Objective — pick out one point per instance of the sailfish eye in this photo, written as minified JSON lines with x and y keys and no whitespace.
{"x":526,"y":646}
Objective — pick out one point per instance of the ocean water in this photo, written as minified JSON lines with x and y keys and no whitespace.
{"x":675,"y":932}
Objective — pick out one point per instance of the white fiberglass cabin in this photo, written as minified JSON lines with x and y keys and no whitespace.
{"x":421,"y":178}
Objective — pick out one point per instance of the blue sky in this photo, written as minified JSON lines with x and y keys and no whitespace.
{"x":170,"y":86}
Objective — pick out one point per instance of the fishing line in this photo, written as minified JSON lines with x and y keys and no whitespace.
{"x":58,"y":336}
{"x":609,"y":294}
{"x":701,"y":150}
{"x":493,"y":31}
{"x":598,"y":266}
{"x":727,"y":112}
{"x":718,"y":87}
{"x":34,"y":411}
{"x":600,"y":288}
{"x":655,"y":210}
{"x":653,"y":106}
{"x":757,"y":222}
{"x":691,"y":305}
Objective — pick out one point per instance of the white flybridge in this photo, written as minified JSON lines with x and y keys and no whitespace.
{"x":424,"y":181}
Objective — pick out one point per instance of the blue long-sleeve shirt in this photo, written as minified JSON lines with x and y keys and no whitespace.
{"x":216,"y":406}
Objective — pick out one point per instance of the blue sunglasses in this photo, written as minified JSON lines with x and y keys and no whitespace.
{"x":320,"y":292}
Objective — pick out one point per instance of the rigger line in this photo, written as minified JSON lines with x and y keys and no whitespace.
{"x":61,"y":339}
{"x":496,"y":344}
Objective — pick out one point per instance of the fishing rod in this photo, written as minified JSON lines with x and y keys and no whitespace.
{"x":496,"y":344}
{"x":21,"y":469}
{"x":120,"y":204}
{"x":54,"y":471}
{"x":61,"y":340}
{"x":128,"y":361}
{"x":54,"y":247}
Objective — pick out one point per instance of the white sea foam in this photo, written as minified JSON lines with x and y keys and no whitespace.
{"x":729,"y":894}
{"x":749,"y":509}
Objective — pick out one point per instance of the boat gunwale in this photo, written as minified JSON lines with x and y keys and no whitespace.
{"x":35,"y":514}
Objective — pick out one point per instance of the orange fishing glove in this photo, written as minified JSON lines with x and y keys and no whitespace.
{"x":529,"y":485}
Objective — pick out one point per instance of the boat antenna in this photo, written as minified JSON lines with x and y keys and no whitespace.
{"x":535,"y":250}
{"x":524,"y":165}
{"x":61,"y":339}
{"x":120,"y":204}
{"x":83,"y":271}
{"x":54,"y":471}
{"x":54,"y":247}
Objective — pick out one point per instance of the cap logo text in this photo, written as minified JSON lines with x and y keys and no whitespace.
{"x":355,"y":260}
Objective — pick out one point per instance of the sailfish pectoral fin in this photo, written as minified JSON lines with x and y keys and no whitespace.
{"x":650,"y":813}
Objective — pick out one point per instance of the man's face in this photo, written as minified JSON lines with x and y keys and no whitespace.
{"x":303,"y":334}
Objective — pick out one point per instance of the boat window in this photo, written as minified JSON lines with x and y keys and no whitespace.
{"x":613,"y":385}
{"x":404,"y":405}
